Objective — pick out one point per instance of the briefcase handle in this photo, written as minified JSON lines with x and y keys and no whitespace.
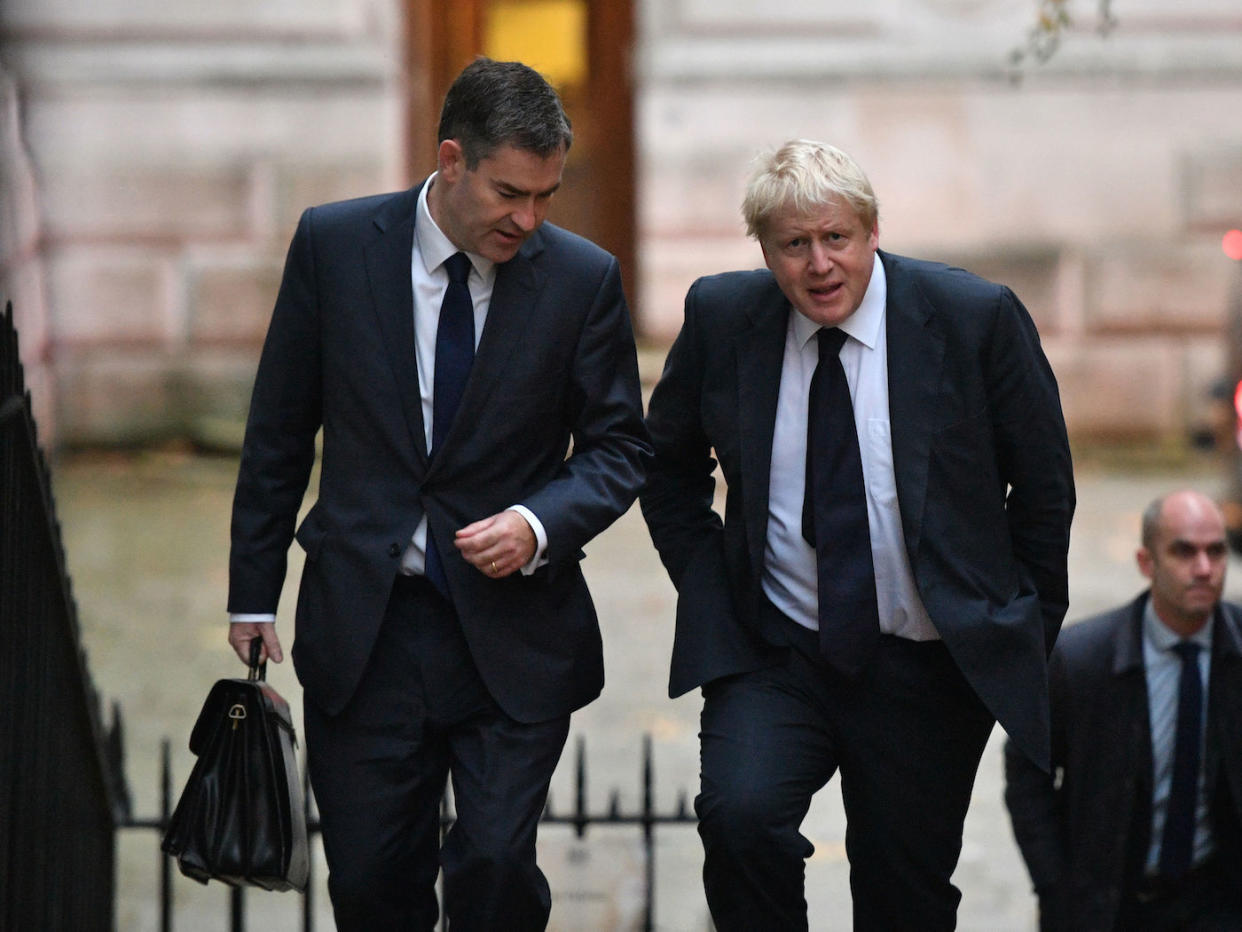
{"x":258,"y":671}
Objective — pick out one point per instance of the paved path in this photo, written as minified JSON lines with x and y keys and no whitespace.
{"x":147,"y":541}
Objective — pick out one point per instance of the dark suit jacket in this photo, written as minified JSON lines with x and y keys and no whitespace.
{"x":555,"y":363}
{"x":1085,"y":840}
{"x":980,"y":457}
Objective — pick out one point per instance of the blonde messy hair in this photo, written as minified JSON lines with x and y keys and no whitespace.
{"x":806,"y":175}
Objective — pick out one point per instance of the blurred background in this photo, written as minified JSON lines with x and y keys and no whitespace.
{"x":155,"y":156}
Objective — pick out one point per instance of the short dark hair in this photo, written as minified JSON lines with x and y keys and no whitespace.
{"x":496,"y":103}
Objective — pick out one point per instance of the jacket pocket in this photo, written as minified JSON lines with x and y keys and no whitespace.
{"x":310,"y":536}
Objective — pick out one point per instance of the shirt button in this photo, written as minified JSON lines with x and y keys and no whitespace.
{"x":394,"y":550}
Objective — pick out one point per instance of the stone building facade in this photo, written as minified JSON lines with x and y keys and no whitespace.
{"x":1098,"y":184}
{"x":169,"y":147}
{"x":156,"y":155}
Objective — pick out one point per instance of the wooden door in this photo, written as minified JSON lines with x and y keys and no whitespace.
{"x":583,"y":47}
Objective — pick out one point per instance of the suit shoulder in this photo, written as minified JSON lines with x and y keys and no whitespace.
{"x":1091,"y":642}
{"x":564,"y":245}
{"x":733,"y":287}
{"x":1231,"y":614}
{"x":722,"y":303}
{"x":355,"y":208}
{"x":942,"y":282}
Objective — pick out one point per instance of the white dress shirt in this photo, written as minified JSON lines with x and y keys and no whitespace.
{"x":789,"y":576}
{"x":1163,"y":669}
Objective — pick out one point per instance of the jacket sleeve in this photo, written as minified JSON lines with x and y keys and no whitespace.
{"x":1034,"y":457}
{"x":677,"y":499}
{"x":601,"y":477}
{"x":279,"y":447}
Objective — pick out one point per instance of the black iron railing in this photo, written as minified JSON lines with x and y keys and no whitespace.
{"x":646,"y":819}
{"x":61,"y":785}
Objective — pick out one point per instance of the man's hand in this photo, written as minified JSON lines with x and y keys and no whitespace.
{"x":241,"y":633}
{"x":499,"y":545}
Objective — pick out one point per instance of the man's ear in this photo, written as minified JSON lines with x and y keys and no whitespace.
{"x":451,"y":160}
{"x":1146,"y":563}
{"x":764,"y":249}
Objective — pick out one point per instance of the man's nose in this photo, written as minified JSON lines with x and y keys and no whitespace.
{"x":821,"y":261}
{"x":526,"y":216}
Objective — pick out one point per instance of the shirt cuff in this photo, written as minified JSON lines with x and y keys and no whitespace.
{"x":239,"y":617}
{"x":541,"y":539}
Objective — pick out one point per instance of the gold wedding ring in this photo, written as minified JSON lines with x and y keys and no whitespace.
{"x":493,"y":567}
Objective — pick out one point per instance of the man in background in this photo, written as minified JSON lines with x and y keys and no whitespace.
{"x":1137,"y":825}
{"x":452,"y":347}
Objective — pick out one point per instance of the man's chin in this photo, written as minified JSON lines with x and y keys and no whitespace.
{"x":826,"y":314}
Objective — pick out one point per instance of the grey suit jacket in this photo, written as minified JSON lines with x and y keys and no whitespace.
{"x":980,"y":457}
{"x":555,"y":365}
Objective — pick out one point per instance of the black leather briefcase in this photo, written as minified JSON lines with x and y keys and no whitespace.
{"x":241,"y":818}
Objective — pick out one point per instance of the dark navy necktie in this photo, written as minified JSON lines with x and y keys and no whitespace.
{"x":454,"y":357}
{"x":834,"y":515}
{"x":1177,"y":845}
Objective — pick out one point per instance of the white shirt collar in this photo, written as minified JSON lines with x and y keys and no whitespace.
{"x":866,"y":323}
{"x":433,"y":245}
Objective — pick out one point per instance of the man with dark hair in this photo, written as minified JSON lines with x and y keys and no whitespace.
{"x":453,"y":349}
{"x":890,"y":568}
{"x":1138,"y":827}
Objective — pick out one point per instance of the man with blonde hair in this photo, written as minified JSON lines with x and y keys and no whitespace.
{"x":890,"y":569}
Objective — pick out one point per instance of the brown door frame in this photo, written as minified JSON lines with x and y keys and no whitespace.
{"x":442,"y":36}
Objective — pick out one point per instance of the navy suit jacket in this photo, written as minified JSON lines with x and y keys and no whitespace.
{"x":1084,"y":829}
{"x":555,"y":366}
{"x":980,"y":456}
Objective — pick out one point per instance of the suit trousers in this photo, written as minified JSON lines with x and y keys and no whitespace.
{"x":379,"y":768}
{"x":906,"y":735}
{"x":1208,"y":899}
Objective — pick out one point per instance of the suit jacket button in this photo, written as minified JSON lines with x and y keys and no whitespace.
{"x":394,"y":550}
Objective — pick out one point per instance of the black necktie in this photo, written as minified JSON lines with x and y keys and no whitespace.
{"x":1177,"y":845}
{"x":834,"y":515}
{"x":454,"y":356}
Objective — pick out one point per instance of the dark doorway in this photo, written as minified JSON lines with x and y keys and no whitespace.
{"x":583,"y":47}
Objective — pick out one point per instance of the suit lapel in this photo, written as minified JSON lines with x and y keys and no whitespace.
{"x":915,"y":358}
{"x":1224,"y":700}
{"x":760,"y":352}
{"x":388,"y":258}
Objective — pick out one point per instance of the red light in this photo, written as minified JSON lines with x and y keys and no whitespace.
{"x":1237,"y":406}
{"x":1232,"y":244}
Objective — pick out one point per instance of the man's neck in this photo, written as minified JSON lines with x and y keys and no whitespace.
{"x":1182,"y":625}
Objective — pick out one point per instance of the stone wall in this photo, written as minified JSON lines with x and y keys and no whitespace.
{"x":21,"y":270}
{"x":1098,"y":185}
{"x":173,"y":144}
{"x":156,"y":154}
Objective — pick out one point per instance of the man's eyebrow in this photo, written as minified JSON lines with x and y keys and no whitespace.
{"x":521,"y":192}
{"x":1185,"y":544}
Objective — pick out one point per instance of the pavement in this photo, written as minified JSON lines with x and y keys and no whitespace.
{"x":146,"y":538}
